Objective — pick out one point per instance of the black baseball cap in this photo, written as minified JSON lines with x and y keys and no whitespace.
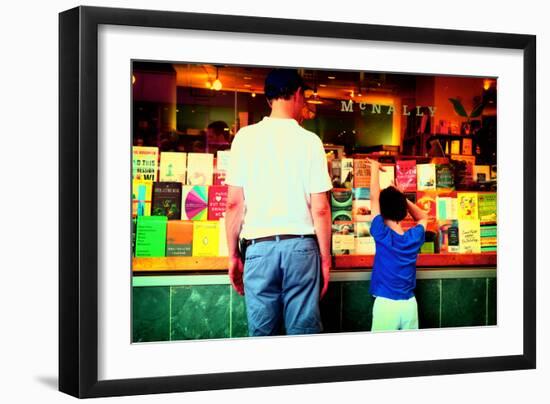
{"x":282,"y":83}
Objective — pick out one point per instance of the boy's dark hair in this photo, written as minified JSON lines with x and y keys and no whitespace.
{"x":283,"y":83}
{"x":393,"y":204}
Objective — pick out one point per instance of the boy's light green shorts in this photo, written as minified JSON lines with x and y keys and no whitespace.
{"x":389,"y":314}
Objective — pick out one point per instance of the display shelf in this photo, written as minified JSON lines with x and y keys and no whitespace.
{"x":424,"y":260}
{"x":174,"y":264}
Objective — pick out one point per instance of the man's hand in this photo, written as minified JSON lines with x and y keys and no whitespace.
{"x":235,"y":268}
{"x":375,"y":164}
{"x":326,"y":264}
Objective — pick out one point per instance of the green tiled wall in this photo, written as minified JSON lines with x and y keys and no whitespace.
{"x":163,"y":313}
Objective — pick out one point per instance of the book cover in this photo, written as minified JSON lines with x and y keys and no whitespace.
{"x":200,"y":168}
{"x":134,"y":225}
{"x":360,"y":211}
{"x":428,"y":247}
{"x":482,"y":173}
{"x":364,"y":246}
{"x":362,"y":229}
{"x":467,"y":206}
{"x":387,"y":177}
{"x":206,"y":238}
{"x":167,"y":200}
{"x":361,"y":173}
{"x":446,"y":208}
{"x":405,"y":175}
{"x":361,"y":193}
{"x":426,"y":200}
{"x":194,"y":202}
{"x":448,"y":236}
{"x":470,"y":238}
{"x":336,"y":173}
{"x":144,"y":163}
{"x":347,"y":173}
{"x":217,"y":201}
{"x":223,"y":159}
{"x":444,"y":177}
{"x":223,"y":250}
{"x":343,"y":238}
{"x":455,"y":146}
{"x":341,"y":199}
{"x":425,"y":174}
{"x":463,"y":171}
{"x":173,"y":166}
{"x":142,"y":195}
{"x":467,"y":146}
{"x":341,"y":215}
{"x":487,"y":206}
{"x":179,"y":238}
{"x":151,"y":236}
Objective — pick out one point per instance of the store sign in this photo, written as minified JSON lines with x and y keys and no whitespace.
{"x":347,"y":106}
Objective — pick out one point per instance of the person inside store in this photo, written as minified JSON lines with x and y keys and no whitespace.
{"x":394,"y":270}
{"x":217,"y":137}
{"x":278,"y":212}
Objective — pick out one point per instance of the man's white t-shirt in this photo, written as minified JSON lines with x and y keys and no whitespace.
{"x":278,"y":164}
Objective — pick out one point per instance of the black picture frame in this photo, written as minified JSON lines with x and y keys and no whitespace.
{"x":78,"y":208}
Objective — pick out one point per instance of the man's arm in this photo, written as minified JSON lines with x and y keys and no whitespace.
{"x":418,"y":214}
{"x":374,"y":186}
{"x":234,"y":215}
{"x":320,"y":212}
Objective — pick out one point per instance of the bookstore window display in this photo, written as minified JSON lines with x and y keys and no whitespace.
{"x":179,"y":192}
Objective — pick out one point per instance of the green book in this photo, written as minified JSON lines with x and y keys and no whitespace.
{"x":487,"y":206}
{"x":444,"y":176}
{"x":427,"y":248}
{"x":151,"y":236}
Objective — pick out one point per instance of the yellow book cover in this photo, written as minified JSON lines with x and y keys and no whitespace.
{"x":205,"y":238}
{"x":142,"y":194}
{"x":145,"y":163}
{"x":173,"y":166}
{"x":469,"y":236}
{"x":467,"y":205}
{"x":387,"y":177}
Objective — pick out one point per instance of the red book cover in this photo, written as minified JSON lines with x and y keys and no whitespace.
{"x":217,"y":199}
{"x":426,"y":200}
{"x":219,"y":178}
{"x":405,"y":175}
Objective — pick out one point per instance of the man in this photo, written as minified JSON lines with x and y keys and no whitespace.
{"x":277,"y":202}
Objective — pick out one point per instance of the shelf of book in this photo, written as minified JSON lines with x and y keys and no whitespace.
{"x":175,"y":264}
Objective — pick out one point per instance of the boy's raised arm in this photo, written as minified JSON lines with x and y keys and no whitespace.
{"x":374,"y":186}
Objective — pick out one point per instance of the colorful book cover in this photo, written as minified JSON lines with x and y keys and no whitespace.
{"x":194,"y":202}
{"x":341,"y":199}
{"x":463,"y":170}
{"x":482,"y":173}
{"x":341,"y":215}
{"x":364,"y":246}
{"x":134,"y":225}
{"x":347,"y":173}
{"x":145,"y":163}
{"x":455,"y":146}
{"x":336,"y":173}
{"x":223,"y":250}
{"x":427,"y":248}
{"x":206,"y":236}
{"x":142,"y":194}
{"x":487,"y":206}
{"x":179,"y":238}
{"x":219,"y":178}
{"x":167,"y":200}
{"x":361,"y":173}
{"x":405,"y":175}
{"x":387,"y":177}
{"x":448,"y":236}
{"x":173,"y":166}
{"x":467,"y":206}
{"x":200,"y":168}
{"x":447,"y":208}
{"x":217,"y":201}
{"x":444,"y":176}
{"x":426,"y":200}
{"x":151,"y":236}
{"x":362,"y":229}
{"x":467,"y":146}
{"x":360,"y":211}
{"x":343,"y":237}
{"x":425,"y":174}
{"x":470,"y":237}
{"x":361,"y":193}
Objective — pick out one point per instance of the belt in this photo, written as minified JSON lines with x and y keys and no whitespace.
{"x":279,"y":237}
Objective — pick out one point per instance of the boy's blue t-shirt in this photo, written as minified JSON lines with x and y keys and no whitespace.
{"x":394,"y":269}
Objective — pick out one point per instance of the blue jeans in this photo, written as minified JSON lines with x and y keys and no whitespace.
{"x":282,"y":281}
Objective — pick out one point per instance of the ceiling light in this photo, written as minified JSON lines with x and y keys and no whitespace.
{"x":331,"y":77}
{"x":217,"y":85}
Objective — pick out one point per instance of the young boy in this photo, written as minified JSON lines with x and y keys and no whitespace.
{"x":394,"y":270}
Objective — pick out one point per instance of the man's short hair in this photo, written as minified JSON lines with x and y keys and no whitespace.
{"x":283,"y":83}
{"x":393,"y":204}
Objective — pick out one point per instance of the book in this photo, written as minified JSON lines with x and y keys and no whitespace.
{"x":448,"y":236}
{"x":134,"y":225}
{"x":364,"y":246}
{"x":470,"y":237}
{"x":446,"y":208}
{"x":217,"y":201}
{"x":467,"y":146}
{"x":405,"y":175}
{"x":200,"y":168}
{"x":482,"y":173}
{"x":362,"y":229}
{"x":360,"y":207}
{"x":426,"y":200}
{"x":428,"y":247}
{"x":205,"y":238}
{"x":387,"y":177}
{"x":455,"y":146}
{"x":343,"y":238}
{"x":142,"y":195}
{"x":467,"y":206}
{"x":444,"y":177}
{"x":347,"y":173}
{"x":151,"y":236}
{"x":173,"y":166}
{"x":167,"y":200}
{"x":194,"y":202}
{"x":425,"y":174}
{"x":487,"y":206}
{"x":223,"y":159}
{"x":463,"y":171}
{"x":341,"y":215}
{"x":144,"y":163}
{"x":341,"y":199}
{"x":336,"y":173}
{"x":361,"y":173}
{"x":223,"y":250}
{"x":179,"y":238}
